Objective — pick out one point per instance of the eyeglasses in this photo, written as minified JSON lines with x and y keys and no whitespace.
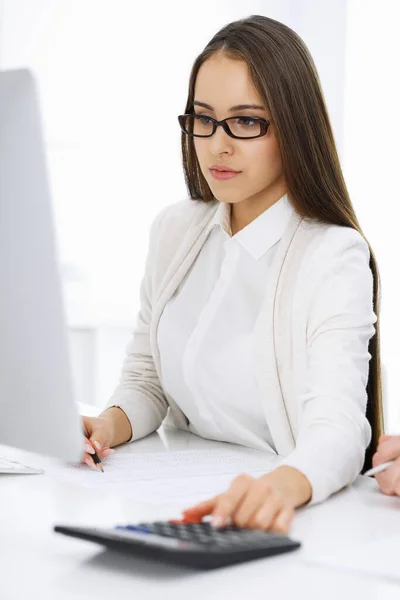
{"x":241,"y":128}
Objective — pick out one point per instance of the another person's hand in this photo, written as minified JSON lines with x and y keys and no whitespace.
{"x":388,"y":449}
{"x":267,"y":502}
{"x":99,"y":436}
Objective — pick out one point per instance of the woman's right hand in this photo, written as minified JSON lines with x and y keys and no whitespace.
{"x":99,"y":436}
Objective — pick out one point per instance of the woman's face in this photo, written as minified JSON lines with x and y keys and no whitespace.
{"x":223,"y":83}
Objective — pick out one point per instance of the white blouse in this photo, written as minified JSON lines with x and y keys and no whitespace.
{"x":205,"y":334}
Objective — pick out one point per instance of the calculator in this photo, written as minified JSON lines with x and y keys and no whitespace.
{"x":194,"y":544}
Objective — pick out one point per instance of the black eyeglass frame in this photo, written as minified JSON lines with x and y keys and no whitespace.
{"x":264,"y":124}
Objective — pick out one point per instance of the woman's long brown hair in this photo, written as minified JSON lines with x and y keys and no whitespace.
{"x":286,"y":78}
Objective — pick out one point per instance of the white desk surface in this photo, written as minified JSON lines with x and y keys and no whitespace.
{"x":37,"y":563}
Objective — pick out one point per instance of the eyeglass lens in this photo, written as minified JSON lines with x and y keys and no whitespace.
{"x":200,"y":125}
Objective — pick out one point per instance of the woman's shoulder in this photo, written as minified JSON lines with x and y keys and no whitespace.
{"x":174,"y":230}
{"x":183,"y":215}
{"x":330,"y":240}
{"x":330,"y":249}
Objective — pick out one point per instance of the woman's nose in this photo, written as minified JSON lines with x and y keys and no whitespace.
{"x":220,"y":142}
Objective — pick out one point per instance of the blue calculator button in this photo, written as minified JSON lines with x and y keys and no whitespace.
{"x":133,"y":528}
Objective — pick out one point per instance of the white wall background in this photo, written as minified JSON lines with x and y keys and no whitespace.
{"x":105,"y":66}
{"x":372,"y":158}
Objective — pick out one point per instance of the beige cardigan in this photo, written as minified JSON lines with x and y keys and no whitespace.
{"x":311,"y":342}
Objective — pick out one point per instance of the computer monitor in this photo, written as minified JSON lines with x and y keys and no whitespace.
{"x":38,"y":411}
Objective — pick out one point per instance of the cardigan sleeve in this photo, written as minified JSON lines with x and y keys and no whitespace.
{"x":139,"y":392}
{"x":333,"y":431}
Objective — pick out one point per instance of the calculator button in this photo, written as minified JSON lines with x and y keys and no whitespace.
{"x":204,"y":534}
{"x":185,"y":520}
{"x":133,"y":528}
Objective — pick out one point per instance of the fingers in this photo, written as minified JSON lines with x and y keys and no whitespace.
{"x":107,"y":452}
{"x":265,"y":516}
{"x":227,"y":505}
{"x":88,"y":458}
{"x":96,"y":439}
{"x":264,"y":508}
{"x":202,"y":509}
{"x":389,"y":480}
{"x":97,"y":442}
{"x":249,"y":502}
{"x":88,"y":452}
{"x":96,"y":432}
{"x":223,"y":505}
{"x":259,"y":507}
{"x":283,"y":521}
{"x":89,"y":448}
{"x":388,"y":449}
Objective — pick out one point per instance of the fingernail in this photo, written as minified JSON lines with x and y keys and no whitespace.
{"x":97,"y":444}
{"x":217,"y":521}
{"x":108,"y":452}
{"x":89,"y":449}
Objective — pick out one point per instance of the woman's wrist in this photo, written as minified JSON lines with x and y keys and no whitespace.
{"x":293,"y":484}
{"x":121,"y":430}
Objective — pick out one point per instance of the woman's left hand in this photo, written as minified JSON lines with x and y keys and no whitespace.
{"x":267,"y":502}
{"x":388,"y":449}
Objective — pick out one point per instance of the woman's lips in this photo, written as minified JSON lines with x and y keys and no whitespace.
{"x":222,"y":175}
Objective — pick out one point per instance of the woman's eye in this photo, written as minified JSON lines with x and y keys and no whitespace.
{"x":203,"y":120}
{"x":246,"y":121}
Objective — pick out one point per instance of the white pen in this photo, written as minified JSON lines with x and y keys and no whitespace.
{"x":378,"y":469}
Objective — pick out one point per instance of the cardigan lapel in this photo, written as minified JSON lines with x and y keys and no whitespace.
{"x":175,"y":274}
{"x":266,"y":366}
{"x":290,"y":322}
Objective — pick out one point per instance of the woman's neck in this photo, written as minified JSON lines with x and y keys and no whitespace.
{"x":244,"y":212}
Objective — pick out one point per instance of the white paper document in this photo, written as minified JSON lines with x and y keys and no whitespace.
{"x":167,"y":476}
{"x":379,"y":558}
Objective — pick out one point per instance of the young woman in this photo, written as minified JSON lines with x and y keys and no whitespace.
{"x":258,"y":320}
